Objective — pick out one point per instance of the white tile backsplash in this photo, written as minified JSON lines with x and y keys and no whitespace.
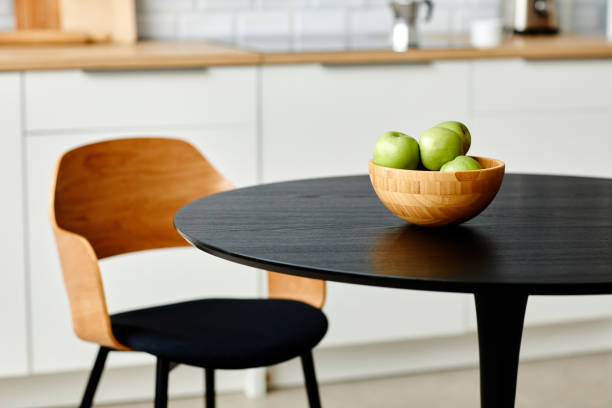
{"x":157,"y":26}
{"x":319,"y":22}
{"x":6,"y":7}
{"x":223,"y":4}
{"x":282,"y":4}
{"x":175,"y":19}
{"x":263,"y":23}
{"x":6,"y":22}
{"x":210,"y":25}
{"x":338,"y":3}
{"x":370,"y":21}
{"x":439,"y":23}
{"x":145,"y":6}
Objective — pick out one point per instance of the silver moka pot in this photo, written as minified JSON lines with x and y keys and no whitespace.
{"x":405,"y":32}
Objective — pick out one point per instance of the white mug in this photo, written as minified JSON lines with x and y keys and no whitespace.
{"x":486,"y":33}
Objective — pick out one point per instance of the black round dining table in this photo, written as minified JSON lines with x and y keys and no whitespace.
{"x":542,"y":235}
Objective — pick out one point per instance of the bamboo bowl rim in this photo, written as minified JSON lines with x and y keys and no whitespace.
{"x":497,"y":164}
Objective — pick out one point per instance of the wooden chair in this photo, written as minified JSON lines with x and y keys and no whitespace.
{"x":120,"y":196}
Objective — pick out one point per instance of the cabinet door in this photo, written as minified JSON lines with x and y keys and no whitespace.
{"x":551,"y":142}
{"x":133,"y":280}
{"x":517,"y":85}
{"x":545,"y":310}
{"x":59,"y":100}
{"x":13,"y":338}
{"x":322,"y":121}
{"x":363,"y":314}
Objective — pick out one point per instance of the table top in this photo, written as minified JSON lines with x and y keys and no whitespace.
{"x":541,"y":235}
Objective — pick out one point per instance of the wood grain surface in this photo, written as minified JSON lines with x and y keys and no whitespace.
{"x":434,"y":198}
{"x":311,"y":291}
{"x":527,"y":47}
{"x":144,"y":55}
{"x":541,"y":235}
{"x":43,"y":37}
{"x":199,"y":54}
{"x":117,"y":197}
{"x":36,"y":14}
{"x":101,"y":19}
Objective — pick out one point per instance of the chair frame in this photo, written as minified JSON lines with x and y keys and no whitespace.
{"x":81,"y":242}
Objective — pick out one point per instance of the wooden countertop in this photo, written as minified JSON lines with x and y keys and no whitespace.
{"x":151,"y":55}
{"x":143,"y":55}
{"x":533,"y":47}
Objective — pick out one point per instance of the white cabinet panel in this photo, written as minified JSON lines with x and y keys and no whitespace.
{"x":13,"y":342}
{"x":564,"y":309}
{"x":520,"y":85}
{"x":363,"y":314}
{"x":320,"y":121}
{"x":105,"y":99}
{"x":543,"y":310}
{"x":133,"y":280}
{"x":547,"y":143}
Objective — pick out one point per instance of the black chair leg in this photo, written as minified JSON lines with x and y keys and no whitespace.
{"x":94,"y":378}
{"x":310,"y":377}
{"x":209,"y":374}
{"x":161,"y":383}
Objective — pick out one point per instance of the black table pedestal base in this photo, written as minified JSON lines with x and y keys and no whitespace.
{"x":500,"y":328}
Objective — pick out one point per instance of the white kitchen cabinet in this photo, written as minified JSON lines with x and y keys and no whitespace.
{"x":60,"y":100}
{"x":315,"y":120}
{"x":13,"y":337}
{"x":512,"y":85}
{"x":546,"y":310}
{"x":551,"y":142}
{"x":134,"y":280}
{"x":323,"y":121}
{"x":365,"y":314}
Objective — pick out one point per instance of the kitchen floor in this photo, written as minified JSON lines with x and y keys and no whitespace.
{"x":584,"y":382}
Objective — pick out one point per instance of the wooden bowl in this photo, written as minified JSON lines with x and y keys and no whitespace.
{"x":433,"y":198}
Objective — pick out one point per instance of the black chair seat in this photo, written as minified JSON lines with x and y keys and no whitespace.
{"x":223,"y":333}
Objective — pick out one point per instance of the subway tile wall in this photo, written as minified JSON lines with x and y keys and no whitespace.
{"x":239,"y":19}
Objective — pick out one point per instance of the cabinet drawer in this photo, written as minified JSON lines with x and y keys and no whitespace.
{"x":98,"y":99}
{"x":520,"y":85}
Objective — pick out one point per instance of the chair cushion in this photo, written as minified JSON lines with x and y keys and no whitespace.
{"x":223,"y":333}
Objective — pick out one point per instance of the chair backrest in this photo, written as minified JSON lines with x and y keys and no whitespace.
{"x":120,"y":196}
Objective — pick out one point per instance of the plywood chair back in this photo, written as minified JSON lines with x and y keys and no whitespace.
{"x":120,"y":196}
{"x":116,"y":197}
{"x":282,"y":286}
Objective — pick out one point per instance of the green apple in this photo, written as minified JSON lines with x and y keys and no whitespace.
{"x":396,"y":150}
{"x":461,"y":163}
{"x":461,"y":130}
{"x":438,"y":146}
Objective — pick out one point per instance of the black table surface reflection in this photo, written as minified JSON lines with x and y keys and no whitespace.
{"x":541,"y":235}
